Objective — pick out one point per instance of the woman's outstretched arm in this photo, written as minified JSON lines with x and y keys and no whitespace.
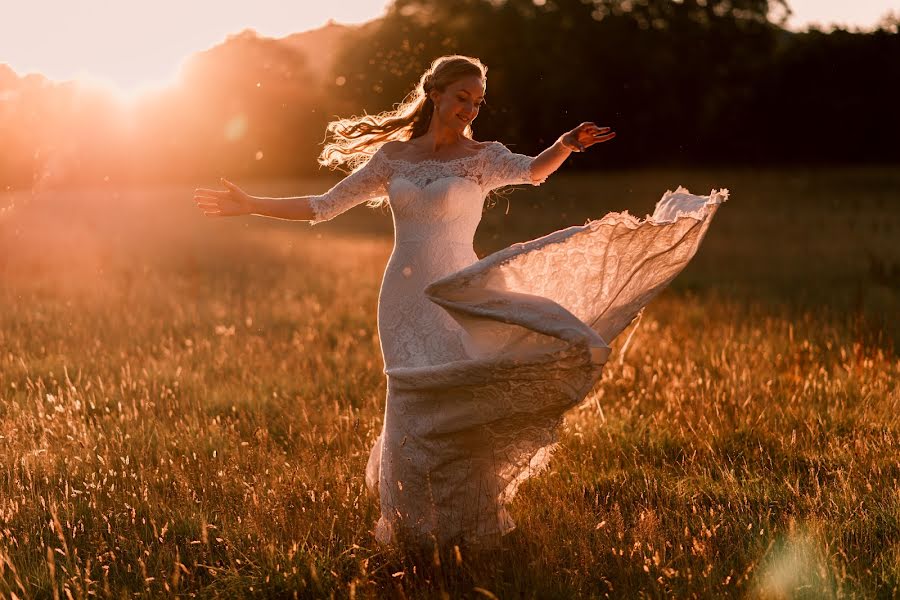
{"x":366,"y":183}
{"x":577,"y":140}
{"x":235,"y":202}
{"x":298,"y":208}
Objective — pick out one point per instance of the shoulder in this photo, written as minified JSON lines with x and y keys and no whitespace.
{"x":377,"y":163}
{"x":494,"y":146}
{"x":483,"y":148}
{"x":392,"y":149}
{"x":382,"y":157}
{"x":494,"y":149}
{"x":476,"y":145}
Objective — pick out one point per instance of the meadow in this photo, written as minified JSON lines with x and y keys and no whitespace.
{"x":187,"y":404}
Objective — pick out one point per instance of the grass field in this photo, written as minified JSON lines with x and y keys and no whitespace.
{"x":187,"y":405}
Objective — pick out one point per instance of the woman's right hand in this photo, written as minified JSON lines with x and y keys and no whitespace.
{"x":232,"y":202}
{"x":584,"y":136}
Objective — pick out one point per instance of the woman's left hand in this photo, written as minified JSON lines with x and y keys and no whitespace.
{"x":585,"y":136}
{"x":232,"y":202}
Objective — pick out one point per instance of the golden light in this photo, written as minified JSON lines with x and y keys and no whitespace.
{"x":235,"y":128}
{"x":130,"y":47}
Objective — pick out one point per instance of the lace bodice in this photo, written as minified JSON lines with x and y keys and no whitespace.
{"x":491,"y":167}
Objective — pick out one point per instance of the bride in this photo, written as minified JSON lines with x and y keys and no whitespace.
{"x":482,"y":357}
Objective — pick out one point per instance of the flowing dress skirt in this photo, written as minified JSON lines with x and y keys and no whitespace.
{"x":535,"y":321}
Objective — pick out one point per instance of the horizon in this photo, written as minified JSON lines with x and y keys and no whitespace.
{"x":127,"y":82}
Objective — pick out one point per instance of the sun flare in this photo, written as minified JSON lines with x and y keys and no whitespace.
{"x":131,"y":47}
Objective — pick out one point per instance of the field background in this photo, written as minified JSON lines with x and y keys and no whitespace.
{"x":187,"y":405}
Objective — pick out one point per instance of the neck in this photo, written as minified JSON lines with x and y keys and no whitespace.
{"x":439,"y":136}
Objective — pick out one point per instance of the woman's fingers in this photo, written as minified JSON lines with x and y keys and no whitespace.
{"x":213,"y":193}
{"x":590,"y":134}
{"x":602,"y":138}
{"x":596,"y":130}
{"x":215,"y":209}
{"x":587,"y":134}
{"x":225,"y":206}
{"x":218,"y":203}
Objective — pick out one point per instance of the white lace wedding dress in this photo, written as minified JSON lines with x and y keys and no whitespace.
{"x":483,"y":358}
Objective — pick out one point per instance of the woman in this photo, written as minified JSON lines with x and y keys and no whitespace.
{"x":482,"y":358}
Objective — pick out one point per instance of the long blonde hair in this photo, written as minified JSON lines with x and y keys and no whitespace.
{"x":355,"y":140}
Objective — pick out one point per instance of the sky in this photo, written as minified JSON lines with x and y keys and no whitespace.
{"x":134,"y":45}
{"x":140,"y":44}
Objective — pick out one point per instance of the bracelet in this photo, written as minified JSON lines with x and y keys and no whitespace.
{"x":567,"y":147}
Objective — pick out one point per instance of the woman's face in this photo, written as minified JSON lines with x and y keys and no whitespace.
{"x":457,"y":106}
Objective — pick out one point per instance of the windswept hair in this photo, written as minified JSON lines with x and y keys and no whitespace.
{"x":355,"y":140}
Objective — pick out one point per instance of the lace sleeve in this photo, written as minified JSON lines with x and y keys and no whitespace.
{"x":503,"y":167}
{"x":369,"y":182}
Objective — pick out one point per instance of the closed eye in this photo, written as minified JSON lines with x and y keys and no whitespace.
{"x":477,"y":104}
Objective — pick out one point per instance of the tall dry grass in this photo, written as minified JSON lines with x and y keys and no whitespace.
{"x":186,"y":406}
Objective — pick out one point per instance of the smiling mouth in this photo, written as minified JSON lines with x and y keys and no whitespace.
{"x":463,"y":120}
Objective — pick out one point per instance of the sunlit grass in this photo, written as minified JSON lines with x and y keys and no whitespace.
{"x":187,"y":406}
